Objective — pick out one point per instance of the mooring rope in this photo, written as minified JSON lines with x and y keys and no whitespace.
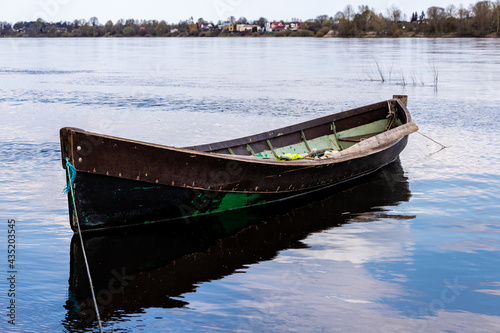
{"x":71,"y":175}
{"x":425,"y":136}
{"x":69,"y":189}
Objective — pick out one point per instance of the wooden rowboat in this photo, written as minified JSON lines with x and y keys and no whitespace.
{"x":122,"y":182}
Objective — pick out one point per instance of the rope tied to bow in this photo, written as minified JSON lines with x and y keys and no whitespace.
{"x":71,"y":176}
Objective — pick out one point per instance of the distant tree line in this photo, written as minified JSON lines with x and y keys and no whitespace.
{"x":476,"y":20}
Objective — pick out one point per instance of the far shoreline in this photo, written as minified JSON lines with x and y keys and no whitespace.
{"x":403,"y":36}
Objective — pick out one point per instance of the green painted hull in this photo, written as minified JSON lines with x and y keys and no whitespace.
{"x":120,"y":203}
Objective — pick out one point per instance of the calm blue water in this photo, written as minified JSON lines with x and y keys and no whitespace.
{"x":412,"y":249}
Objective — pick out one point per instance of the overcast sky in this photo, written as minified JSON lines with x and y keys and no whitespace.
{"x":211,"y":10}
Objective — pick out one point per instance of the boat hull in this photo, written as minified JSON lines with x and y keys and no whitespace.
{"x":104,"y":202}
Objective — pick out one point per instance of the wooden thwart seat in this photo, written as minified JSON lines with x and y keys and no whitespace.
{"x":358,"y":138}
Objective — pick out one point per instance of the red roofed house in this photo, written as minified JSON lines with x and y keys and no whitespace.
{"x":275,"y":26}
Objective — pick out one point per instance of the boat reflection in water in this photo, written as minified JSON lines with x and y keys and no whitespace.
{"x":151,"y":266}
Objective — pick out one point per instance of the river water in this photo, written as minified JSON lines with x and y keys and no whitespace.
{"x":414,"y":247}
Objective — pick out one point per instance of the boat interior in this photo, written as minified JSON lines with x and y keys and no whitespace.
{"x":332,"y":133}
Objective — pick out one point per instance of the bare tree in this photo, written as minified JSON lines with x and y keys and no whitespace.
{"x":201,"y":21}
{"x":394,"y":15}
{"x":450,"y":19}
{"x":497,"y":14}
{"x":94,"y":21}
{"x":108,"y":27}
{"x":436,"y":15}
{"x":363,"y":18}
{"x":242,"y":20}
{"x":482,"y":12}
{"x":349,"y":12}
{"x":321,"y":19}
{"x":161,"y":28}
{"x":345,"y":19}
{"x":451,"y":11}
{"x":118,"y":27}
{"x":263,"y":21}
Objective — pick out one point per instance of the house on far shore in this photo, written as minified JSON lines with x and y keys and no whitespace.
{"x":228,"y":26}
{"x":205,"y":27}
{"x":248,"y":27}
{"x":275,"y":26}
{"x":293,"y":26}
